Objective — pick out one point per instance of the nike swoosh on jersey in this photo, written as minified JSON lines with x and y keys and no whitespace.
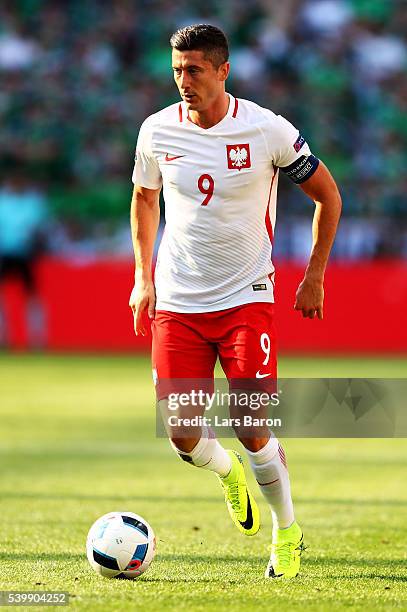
{"x":172,"y":157}
{"x":248,"y":523}
{"x":258,"y":375}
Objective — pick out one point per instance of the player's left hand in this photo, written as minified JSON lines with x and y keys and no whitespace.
{"x":310,"y":298}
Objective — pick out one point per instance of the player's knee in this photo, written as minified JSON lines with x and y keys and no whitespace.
{"x":183,"y":445}
{"x":254,"y":444}
{"x":249,"y":431}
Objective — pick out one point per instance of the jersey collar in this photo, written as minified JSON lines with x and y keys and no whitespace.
{"x":231,"y":112}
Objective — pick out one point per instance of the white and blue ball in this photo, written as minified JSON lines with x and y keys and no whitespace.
{"x":120,"y":544}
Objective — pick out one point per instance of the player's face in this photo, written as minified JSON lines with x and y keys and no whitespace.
{"x":199,"y":82}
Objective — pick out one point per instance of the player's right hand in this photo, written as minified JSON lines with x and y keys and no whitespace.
{"x":142,"y":297}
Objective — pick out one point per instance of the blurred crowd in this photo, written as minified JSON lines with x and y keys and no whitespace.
{"x":77,"y":78}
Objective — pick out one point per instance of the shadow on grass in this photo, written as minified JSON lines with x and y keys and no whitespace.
{"x":339,"y":568}
{"x":379,"y":565}
{"x":342,"y":568}
{"x":112,"y":498}
{"x":195,"y":499}
{"x":191,"y":558}
{"x":42,"y":556}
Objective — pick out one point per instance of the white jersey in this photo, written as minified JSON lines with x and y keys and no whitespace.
{"x":220,"y":191}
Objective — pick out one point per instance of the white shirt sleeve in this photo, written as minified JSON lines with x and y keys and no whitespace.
{"x":146,"y":171}
{"x":291,"y":152}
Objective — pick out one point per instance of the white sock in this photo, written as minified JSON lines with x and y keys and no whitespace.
{"x":208,"y":454}
{"x":270,"y":470}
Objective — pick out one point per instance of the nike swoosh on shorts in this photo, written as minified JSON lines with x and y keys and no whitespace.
{"x":258,"y":375}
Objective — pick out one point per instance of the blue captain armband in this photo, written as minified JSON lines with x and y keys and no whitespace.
{"x":302,"y":169}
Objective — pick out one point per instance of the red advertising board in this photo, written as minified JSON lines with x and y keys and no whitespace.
{"x":86,"y":308}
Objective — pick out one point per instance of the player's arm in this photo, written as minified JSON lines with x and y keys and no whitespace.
{"x":321,"y":188}
{"x":144,"y":220}
{"x":293,"y":156}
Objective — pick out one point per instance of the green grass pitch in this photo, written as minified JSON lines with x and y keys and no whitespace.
{"x":78,"y":440}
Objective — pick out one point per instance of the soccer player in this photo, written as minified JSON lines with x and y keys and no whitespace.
{"x":217,"y":159}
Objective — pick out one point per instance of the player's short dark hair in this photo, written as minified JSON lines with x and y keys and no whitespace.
{"x":202,"y":37}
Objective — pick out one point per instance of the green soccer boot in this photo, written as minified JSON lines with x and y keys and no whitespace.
{"x":286,"y":550}
{"x":242,"y":507}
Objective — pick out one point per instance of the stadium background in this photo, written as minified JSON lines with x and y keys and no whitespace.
{"x":78,"y":78}
{"x":77,"y":435}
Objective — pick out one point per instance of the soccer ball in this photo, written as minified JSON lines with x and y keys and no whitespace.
{"x":120,"y":544}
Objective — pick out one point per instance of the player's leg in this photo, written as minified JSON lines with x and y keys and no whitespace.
{"x":183,"y":363}
{"x":3,"y":326}
{"x":270,"y":469}
{"x":248,"y":357}
{"x":240,"y":503}
{"x":35,"y":315}
{"x":6,"y":270}
{"x":248,"y":350}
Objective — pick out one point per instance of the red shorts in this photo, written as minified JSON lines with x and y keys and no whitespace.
{"x":186,"y":346}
